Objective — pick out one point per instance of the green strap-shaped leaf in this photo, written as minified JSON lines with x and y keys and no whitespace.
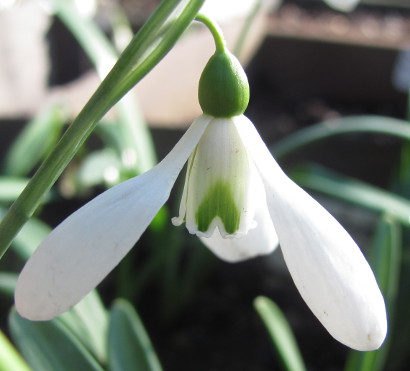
{"x":10,"y":359}
{"x":280,"y":333}
{"x":11,"y":187}
{"x":34,"y":141}
{"x":50,"y":346}
{"x":93,"y":170}
{"x":343,"y":6}
{"x":131,"y":127}
{"x":8,"y":283}
{"x":385,"y":259}
{"x":29,"y":237}
{"x":341,"y":126}
{"x":129,"y":347}
{"x":88,"y":320}
{"x":321,"y":179}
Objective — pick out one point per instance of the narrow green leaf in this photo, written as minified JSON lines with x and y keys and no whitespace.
{"x":88,"y":321}
{"x":34,"y":141}
{"x":8,"y":283}
{"x":11,"y":187}
{"x":10,"y":359}
{"x":137,"y":152}
{"x":385,"y":259}
{"x":29,"y":237}
{"x":280,"y":333}
{"x":341,"y":126}
{"x":99,"y":168}
{"x":342,"y":6}
{"x":136,"y":141}
{"x":129,"y":347}
{"x":246,"y":28}
{"x":50,"y":346}
{"x":321,"y":179}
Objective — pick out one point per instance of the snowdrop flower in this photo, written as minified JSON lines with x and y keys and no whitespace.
{"x":236,"y":199}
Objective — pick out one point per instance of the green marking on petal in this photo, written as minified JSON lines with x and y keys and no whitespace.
{"x":219,"y":201}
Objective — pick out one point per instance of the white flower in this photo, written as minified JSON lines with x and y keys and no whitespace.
{"x":326,"y":265}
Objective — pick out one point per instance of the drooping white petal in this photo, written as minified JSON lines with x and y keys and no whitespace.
{"x":84,"y":248}
{"x":260,"y":240}
{"x":326,"y":265}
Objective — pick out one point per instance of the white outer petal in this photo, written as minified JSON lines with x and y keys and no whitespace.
{"x":261,"y":240}
{"x":83,"y":249}
{"x":326,"y":265}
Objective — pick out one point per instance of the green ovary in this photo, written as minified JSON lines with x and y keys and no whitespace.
{"x":218,"y":201}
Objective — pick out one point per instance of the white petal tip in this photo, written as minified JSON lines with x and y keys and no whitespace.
{"x":27,"y":312}
{"x":366,"y":330}
{"x":373,"y":339}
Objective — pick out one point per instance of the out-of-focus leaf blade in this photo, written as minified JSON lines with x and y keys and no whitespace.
{"x":137,"y":148}
{"x":34,"y":142}
{"x":280,"y":333}
{"x":30,"y":236}
{"x":341,"y":126}
{"x":88,"y":320}
{"x":320,"y":179}
{"x":10,"y":359}
{"x":11,"y":187}
{"x":385,"y":259}
{"x":50,"y":346}
{"x":129,"y":347}
{"x":342,"y":5}
{"x":8,"y":283}
{"x":100,"y":167}
{"x":28,"y":239}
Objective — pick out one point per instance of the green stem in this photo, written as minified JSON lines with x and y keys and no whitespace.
{"x":162,"y":29}
{"x":216,"y":31}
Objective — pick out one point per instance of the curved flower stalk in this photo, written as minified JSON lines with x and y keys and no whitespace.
{"x":236,"y":199}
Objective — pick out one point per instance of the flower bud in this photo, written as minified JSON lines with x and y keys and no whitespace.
{"x":223,"y":86}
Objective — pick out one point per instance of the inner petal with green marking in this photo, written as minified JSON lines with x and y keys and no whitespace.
{"x":219,"y":202}
{"x":218,"y":185}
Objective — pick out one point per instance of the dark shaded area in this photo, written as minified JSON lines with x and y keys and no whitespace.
{"x":67,"y":59}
